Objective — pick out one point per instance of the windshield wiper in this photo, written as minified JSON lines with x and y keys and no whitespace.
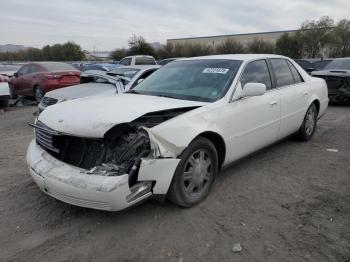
{"x":132,"y":91}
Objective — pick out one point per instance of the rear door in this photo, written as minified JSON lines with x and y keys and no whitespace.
{"x":293,"y":93}
{"x":256,"y":119}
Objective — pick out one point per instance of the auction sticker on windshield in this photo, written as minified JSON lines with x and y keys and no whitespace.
{"x":215,"y":70}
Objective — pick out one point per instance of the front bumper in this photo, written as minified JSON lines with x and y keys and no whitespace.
{"x":72,"y":185}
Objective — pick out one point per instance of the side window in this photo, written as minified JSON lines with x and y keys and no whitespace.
{"x":257,"y":72}
{"x":296,"y":74}
{"x":23,"y":70}
{"x":126,"y":61}
{"x":145,"y":61}
{"x":283,"y":74}
{"x":32,"y":69}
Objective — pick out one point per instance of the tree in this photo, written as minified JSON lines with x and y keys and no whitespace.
{"x":230,"y":46}
{"x":119,"y":54}
{"x":288,"y":45}
{"x":197,"y":49}
{"x":139,"y":46}
{"x":315,"y":36}
{"x":72,"y":52}
{"x":166,"y":51}
{"x":341,"y":39}
{"x":259,"y":46}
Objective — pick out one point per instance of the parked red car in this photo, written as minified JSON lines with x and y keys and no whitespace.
{"x":35,"y":79}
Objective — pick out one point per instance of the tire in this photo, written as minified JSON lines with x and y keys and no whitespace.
{"x":38,"y":94}
{"x":12,"y":92}
{"x":196,"y":171}
{"x":308,"y":127}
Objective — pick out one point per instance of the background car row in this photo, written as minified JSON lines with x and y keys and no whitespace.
{"x":37,"y":79}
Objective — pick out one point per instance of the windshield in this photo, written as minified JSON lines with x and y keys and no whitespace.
{"x":343,"y":64}
{"x":204,"y":80}
{"x":127,"y":72}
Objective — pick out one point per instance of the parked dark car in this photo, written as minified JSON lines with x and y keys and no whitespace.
{"x":305,"y":64}
{"x":35,"y":79}
{"x":337,"y":76}
{"x":320,"y":65}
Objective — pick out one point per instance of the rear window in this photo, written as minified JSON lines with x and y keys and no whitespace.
{"x":56,"y":66}
{"x":145,"y":61}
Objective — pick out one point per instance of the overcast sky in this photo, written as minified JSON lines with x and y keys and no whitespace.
{"x":107,"y":24}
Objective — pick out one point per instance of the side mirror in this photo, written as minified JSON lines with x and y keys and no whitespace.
{"x":15,"y":74}
{"x":253,"y":89}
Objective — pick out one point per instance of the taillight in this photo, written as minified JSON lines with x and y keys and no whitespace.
{"x":53,"y":76}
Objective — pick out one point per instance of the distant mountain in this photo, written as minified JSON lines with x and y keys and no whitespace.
{"x":11,"y":48}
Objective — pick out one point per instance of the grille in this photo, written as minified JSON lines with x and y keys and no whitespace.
{"x":48,"y":101}
{"x":76,"y":151}
{"x":44,"y":136}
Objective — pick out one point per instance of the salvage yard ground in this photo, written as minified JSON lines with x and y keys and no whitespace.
{"x":289,"y":202}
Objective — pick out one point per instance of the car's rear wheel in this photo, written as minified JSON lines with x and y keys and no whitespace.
{"x":38,"y":94}
{"x":12,"y":92}
{"x":195,"y":174}
{"x":308,"y":127}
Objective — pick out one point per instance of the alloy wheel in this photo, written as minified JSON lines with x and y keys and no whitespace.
{"x":197,"y":173}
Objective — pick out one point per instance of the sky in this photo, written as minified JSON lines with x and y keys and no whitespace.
{"x":108,"y":24}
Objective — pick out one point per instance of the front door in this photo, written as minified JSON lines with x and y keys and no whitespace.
{"x":255,"y":121}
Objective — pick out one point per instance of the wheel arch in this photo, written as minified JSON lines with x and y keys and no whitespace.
{"x":317,"y":104}
{"x":218,"y":142}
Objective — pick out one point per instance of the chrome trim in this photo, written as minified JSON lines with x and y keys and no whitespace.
{"x":52,"y":132}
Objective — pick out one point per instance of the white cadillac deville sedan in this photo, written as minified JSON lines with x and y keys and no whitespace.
{"x":171,"y":135}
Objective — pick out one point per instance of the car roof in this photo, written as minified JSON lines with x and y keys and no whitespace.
{"x":139,"y":56}
{"x":243,"y":57}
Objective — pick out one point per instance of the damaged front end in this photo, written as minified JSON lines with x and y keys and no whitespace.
{"x":129,"y":156}
{"x":338,"y":84}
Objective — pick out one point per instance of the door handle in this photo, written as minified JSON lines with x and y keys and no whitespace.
{"x":273,"y":103}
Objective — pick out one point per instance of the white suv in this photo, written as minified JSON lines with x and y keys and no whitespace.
{"x":138,"y":60}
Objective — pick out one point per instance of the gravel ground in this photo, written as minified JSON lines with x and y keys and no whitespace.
{"x":289,"y":202}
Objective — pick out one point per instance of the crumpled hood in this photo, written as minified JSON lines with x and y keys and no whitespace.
{"x":82,"y":90}
{"x":94,"y":116}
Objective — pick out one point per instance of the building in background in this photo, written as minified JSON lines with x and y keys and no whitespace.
{"x":242,"y":38}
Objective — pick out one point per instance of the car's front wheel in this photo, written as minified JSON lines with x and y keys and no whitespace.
{"x":38,"y":94}
{"x":308,"y":127}
{"x":195,"y":174}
